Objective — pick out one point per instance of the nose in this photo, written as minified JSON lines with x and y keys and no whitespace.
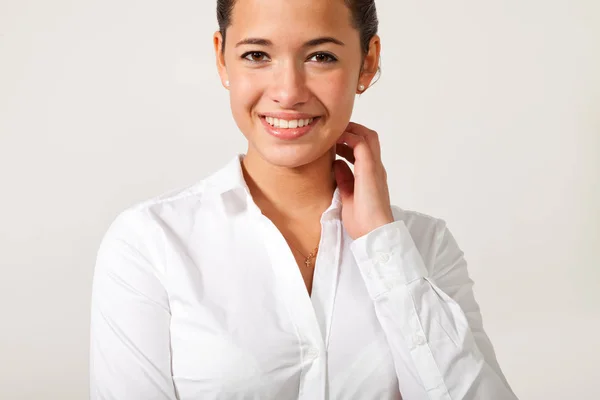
{"x":288,"y":88}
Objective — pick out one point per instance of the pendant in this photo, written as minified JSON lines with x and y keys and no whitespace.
{"x":310,"y":257}
{"x":307,"y":262}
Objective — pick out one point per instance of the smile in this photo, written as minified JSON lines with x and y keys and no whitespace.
{"x":288,"y":124}
{"x":286,"y":127}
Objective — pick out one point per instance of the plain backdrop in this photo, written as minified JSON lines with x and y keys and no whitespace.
{"x":489,"y":116}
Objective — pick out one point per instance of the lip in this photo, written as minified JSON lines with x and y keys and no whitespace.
{"x":288,"y":133}
{"x":287,"y":116}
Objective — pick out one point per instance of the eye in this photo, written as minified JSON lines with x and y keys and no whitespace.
{"x":323,"y":58}
{"x":255,"y":56}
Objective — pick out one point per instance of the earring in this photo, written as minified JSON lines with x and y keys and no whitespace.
{"x":361,"y":88}
{"x":227,"y":83}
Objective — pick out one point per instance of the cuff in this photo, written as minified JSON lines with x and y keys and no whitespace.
{"x":387,"y":257}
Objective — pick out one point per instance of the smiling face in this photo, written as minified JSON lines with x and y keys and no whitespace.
{"x":294,"y":67}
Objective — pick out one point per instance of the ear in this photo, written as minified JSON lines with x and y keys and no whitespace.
{"x":370,"y":63}
{"x":220,"y":56}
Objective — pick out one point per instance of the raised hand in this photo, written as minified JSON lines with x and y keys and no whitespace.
{"x":365,"y":194}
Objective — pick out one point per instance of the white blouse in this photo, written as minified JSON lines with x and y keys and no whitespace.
{"x":196,"y":295}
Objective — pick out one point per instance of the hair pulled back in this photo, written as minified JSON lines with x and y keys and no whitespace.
{"x":364,"y":19}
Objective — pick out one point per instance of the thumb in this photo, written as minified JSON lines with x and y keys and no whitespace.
{"x":344,"y":178}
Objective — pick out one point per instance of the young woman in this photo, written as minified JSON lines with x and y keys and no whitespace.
{"x":285,"y":275}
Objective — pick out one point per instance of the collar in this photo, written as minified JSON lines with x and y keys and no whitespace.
{"x":229,"y":178}
{"x":228,"y":185}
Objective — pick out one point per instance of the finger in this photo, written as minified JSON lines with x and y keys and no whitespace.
{"x":351,"y":139}
{"x":358,"y":145}
{"x":346,"y":152}
{"x":359,"y":129}
{"x":344,"y":178}
{"x":371,"y":137}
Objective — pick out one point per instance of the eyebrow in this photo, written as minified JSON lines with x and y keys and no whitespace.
{"x":311,"y":43}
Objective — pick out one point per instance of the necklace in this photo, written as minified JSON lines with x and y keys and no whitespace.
{"x":310,"y":257}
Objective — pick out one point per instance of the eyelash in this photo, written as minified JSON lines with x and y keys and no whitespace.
{"x":331,"y":58}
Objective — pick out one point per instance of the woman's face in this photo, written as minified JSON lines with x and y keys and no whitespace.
{"x":294,"y":60}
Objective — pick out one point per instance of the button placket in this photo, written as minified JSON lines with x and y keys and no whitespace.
{"x":301,"y":310}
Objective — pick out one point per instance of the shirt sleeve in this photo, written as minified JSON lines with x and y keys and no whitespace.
{"x":431,"y":313}
{"x":130,"y":348}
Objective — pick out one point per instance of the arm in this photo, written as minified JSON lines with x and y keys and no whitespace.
{"x":130,"y":349}
{"x":432,"y":313}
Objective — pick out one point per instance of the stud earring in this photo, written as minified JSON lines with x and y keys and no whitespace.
{"x":227,"y":83}
{"x":361,"y":88}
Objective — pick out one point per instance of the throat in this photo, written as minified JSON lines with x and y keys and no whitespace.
{"x":294,"y":193}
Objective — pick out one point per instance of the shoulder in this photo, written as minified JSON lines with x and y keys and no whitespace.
{"x":142,"y":221}
{"x":181,"y":205}
{"x":172,"y":201}
{"x":136,"y":235}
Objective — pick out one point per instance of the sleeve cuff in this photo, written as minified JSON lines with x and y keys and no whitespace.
{"x":387,"y":258}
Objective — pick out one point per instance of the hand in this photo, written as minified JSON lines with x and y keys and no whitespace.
{"x":365,"y":195}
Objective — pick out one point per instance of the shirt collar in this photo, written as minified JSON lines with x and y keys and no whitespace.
{"x":229,"y":185}
{"x":229,"y":178}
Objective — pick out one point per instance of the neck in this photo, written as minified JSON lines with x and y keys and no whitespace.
{"x":293,"y":193}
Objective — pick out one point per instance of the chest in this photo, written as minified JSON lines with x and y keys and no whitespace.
{"x":244,"y":326}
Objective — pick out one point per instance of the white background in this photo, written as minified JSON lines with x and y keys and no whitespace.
{"x":489,"y":114}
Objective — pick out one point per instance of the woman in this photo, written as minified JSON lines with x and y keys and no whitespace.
{"x":284,"y":275}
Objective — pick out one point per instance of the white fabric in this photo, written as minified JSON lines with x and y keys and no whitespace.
{"x":196,"y":295}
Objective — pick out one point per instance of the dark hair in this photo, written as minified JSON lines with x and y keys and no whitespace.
{"x":364,"y":19}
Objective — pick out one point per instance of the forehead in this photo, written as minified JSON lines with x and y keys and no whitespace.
{"x":290,"y":19}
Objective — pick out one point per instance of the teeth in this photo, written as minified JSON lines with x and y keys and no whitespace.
{"x":291,"y":124}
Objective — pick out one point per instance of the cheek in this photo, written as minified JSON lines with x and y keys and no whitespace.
{"x":244,"y":96}
{"x":337,"y":94}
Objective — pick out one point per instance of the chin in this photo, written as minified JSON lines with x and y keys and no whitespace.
{"x":290,"y":156}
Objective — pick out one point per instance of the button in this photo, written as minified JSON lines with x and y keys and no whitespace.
{"x":419,"y":340}
{"x":383,"y":258}
{"x":313,"y":353}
